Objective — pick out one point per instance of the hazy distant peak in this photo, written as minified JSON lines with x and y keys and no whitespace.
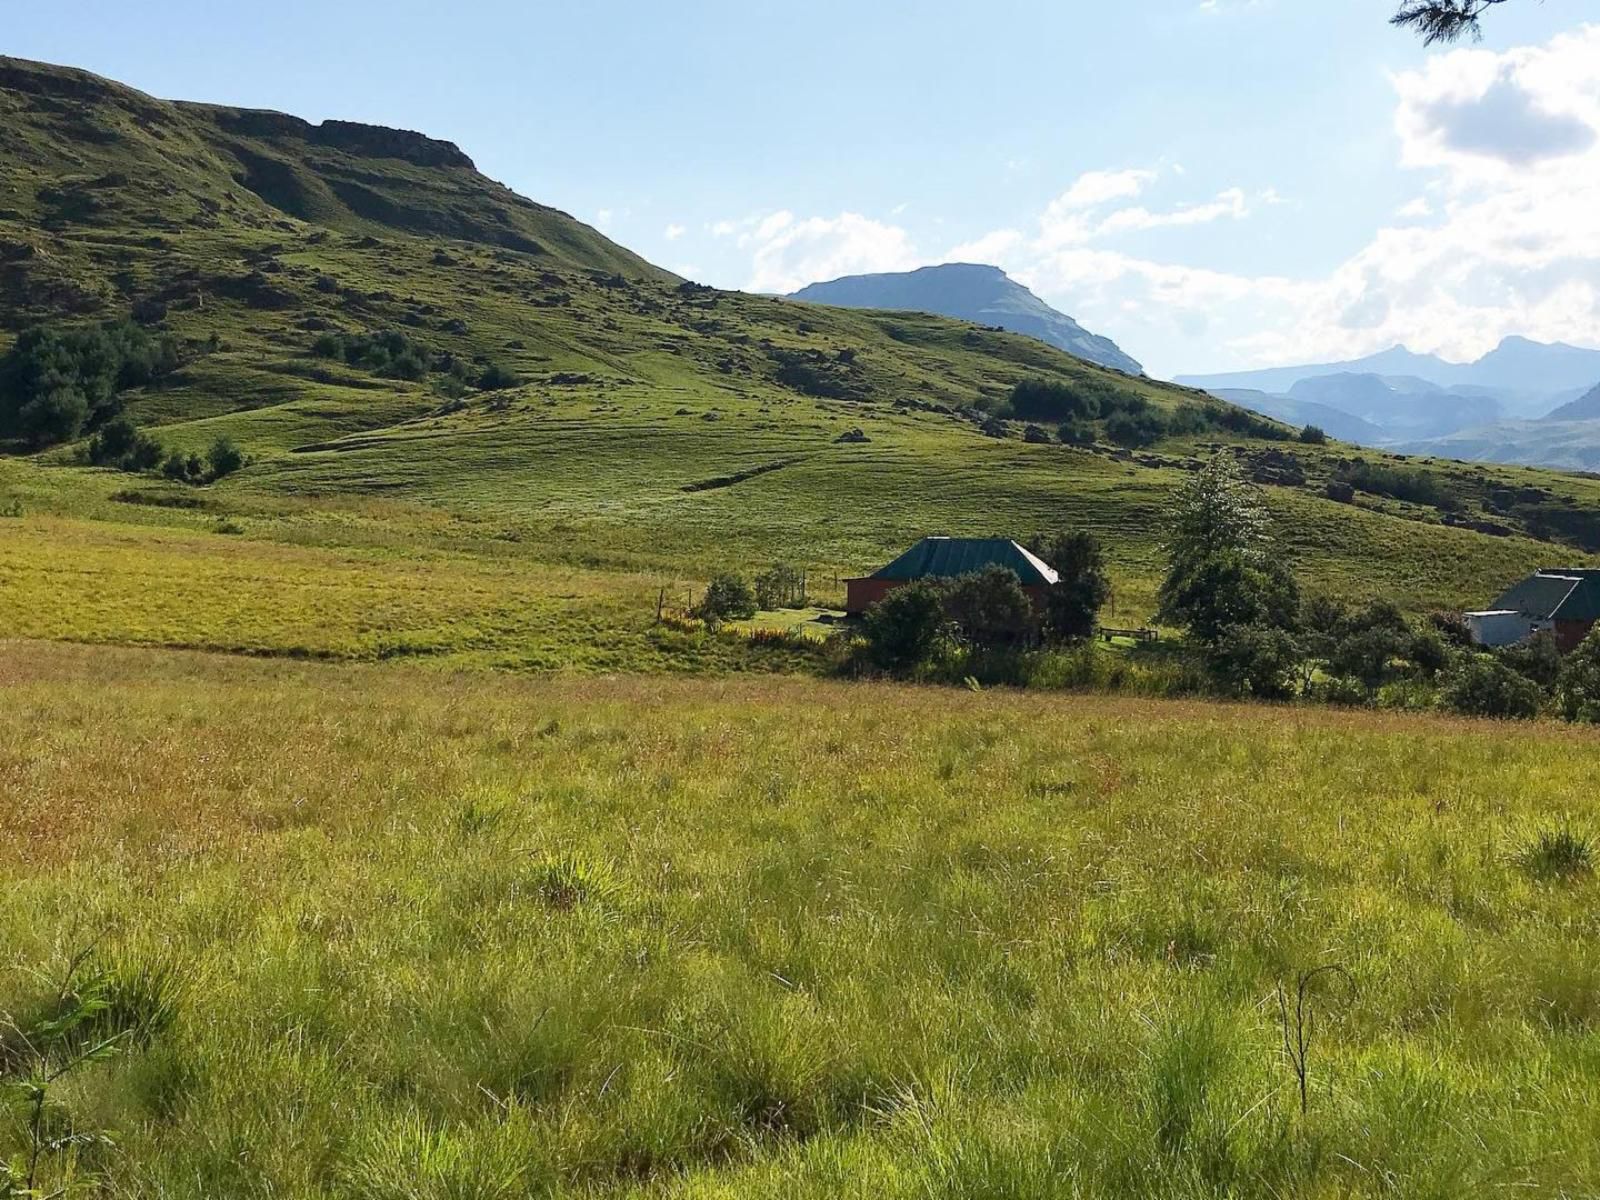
{"x":972,"y":292}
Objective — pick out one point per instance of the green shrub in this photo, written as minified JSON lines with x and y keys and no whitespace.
{"x":904,"y":628}
{"x":1578,"y":685}
{"x":1313,"y":435}
{"x":1323,"y":620}
{"x":1481,"y":686}
{"x":176,"y":467}
{"x":1411,"y":484}
{"x":1189,"y":419}
{"x":1135,"y":430}
{"x":388,"y":353}
{"x":1536,"y":658}
{"x":989,"y":610}
{"x":1412,"y":693}
{"x":56,"y":415}
{"x":1340,"y":691}
{"x":1055,"y":400}
{"x":1379,"y":614}
{"x":1248,"y":424}
{"x":1368,"y":655}
{"x":113,"y":442}
{"x":728,"y":598}
{"x":1075,"y":433}
{"x":119,"y":444}
{"x":1228,"y":589}
{"x":1452,"y":627}
{"x":496,"y":378}
{"x":328,"y":345}
{"x":224,"y":458}
{"x":1254,"y":660}
{"x":1428,"y":652}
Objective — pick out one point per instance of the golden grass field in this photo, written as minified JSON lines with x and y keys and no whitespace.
{"x":378,"y":931}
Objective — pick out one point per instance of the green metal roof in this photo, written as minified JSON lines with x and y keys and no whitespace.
{"x":1583,"y":603}
{"x":948,"y":558}
{"x":1556,"y":594}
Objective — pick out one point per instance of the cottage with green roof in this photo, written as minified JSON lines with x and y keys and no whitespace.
{"x":1564,"y":601}
{"x":950,"y":558}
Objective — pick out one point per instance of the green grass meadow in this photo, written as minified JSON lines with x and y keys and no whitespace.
{"x":379,"y":932}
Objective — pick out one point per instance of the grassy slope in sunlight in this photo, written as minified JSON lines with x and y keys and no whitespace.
{"x":405,"y":934}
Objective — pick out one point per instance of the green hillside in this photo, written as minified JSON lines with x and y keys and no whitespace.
{"x":393,"y":926}
{"x":652,"y":431}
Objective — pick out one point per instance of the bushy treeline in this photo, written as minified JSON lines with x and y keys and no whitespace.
{"x":120,"y":444}
{"x":1229,"y":587}
{"x":391,"y":354}
{"x":1400,"y":483}
{"x":57,"y":384}
{"x":731,"y":597}
{"x":1249,"y":630}
{"x":1084,"y":410}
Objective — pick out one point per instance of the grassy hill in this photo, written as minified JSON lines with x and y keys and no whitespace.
{"x":657,"y":431}
{"x":373,"y":930}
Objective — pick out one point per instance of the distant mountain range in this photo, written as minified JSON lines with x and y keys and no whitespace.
{"x":971,"y":292}
{"x":1523,"y":402}
{"x":1516,"y":366}
{"x":1585,"y":408}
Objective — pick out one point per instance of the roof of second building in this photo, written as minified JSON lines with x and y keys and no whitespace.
{"x":948,"y":558}
{"x":1558,"y":594}
{"x":1583,"y":602}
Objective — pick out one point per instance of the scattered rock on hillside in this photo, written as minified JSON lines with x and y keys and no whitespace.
{"x":853,"y":435}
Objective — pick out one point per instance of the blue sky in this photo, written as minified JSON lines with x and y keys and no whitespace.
{"x":1214,"y":183}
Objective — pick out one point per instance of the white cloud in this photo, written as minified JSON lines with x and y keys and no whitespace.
{"x":1487,"y":115}
{"x":1230,"y":203}
{"x":990,"y":248}
{"x":1094,"y":188}
{"x":673,"y":232}
{"x":787,"y":252}
{"x":1510,"y":243}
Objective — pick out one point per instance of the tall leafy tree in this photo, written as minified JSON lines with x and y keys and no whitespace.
{"x":1072,"y":607}
{"x":1217,"y":512}
{"x":1443,"y":20}
{"x":1221,"y":572}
